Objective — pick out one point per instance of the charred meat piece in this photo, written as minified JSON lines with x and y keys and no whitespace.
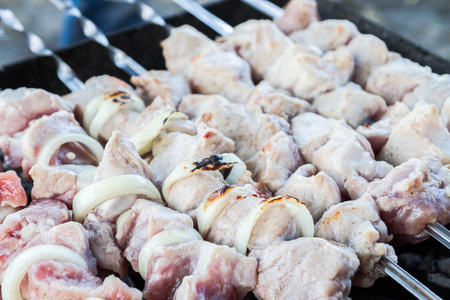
{"x":357,"y":224}
{"x":289,"y":270}
{"x":411,"y":196}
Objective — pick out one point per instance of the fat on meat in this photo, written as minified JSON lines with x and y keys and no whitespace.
{"x":396,"y":78}
{"x":298,"y":14}
{"x":351,"y":103}
{"x":60,"y":182}
{"x":161,"y":83}
{"x":20,"y":106}
{"x":273,"y":226}
{"x":358,"y":225}
{"x":21,"y":227}
{"x":419,"y":134}
{"x":145,"y":220}
{"x":248,"y":127}
{"x":413,"y":195}
{"x":63,"y":280}
{"x":276,"y":161}
{"x":367,"y":51}
{"x":338,"y":150}
{"x":174,"y":147}
{"x":316,"y":190}
{"x":120,"y":158}
{"x":46,"y":127}
{"x":305,"y":268}
{"x":327,"y":34}
{"x":277,"y":102}
{"x":378,"y":133}
{"x":210,"y":69}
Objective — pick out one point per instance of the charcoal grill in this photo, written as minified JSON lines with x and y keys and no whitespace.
{"x":425,"y":261}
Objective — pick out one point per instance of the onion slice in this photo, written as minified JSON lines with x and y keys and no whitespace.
{"x":212,"y":164}
{"x":111,"y":104}
{"x":96,"y":193}
{"x":144,"y":138}
{"x":208,"y":212}
{"x":297,"y":210}
{"x":52,"y":144}
{"x":19,"y":267}
{"x":121,"y":219}
{"x":166,"y":237}
{"x":6,"y":210}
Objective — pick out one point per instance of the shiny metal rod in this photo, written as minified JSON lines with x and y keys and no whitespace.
{"x":206,"y":17}
{"x":120,"y":58}
{"x":37,"y":46}
{"x":439,"y":232}
{"x":266,"y":7}
{"x":409,"y":282}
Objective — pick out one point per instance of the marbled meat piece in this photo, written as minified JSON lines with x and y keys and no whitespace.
{"x":19,"y":228}
{"x":335,"y":148}
{"x":327,"y":34}
{"x":378,"y":133}
{"x":209,"y":68}
{"x":248,"y":127}
{"x":316,"y":190}
{"x":351,"y":103}
{"x":156,"y":83}
{"x":277,"y":102}
{"x":145,"y":220}
{"x":305,"y":268}
{"x":64,"y":280}
{"x":298,"y":14}
{"x":120,"y":158}
{"x":175,"y":147}
{"x":396,"y":78}
{"x":357,"y":224}
{"x":419,"y":134}
{"x":46,"y":127}
{"x":367,"y":51}
{"x":199,"y":270}
{"x":273,"y":226}
{"x":60,"y":182}
{"x":19,"y":107}
{"x":12,"y":193}
{"x":277,"y":160}
{"x":411,"y":196}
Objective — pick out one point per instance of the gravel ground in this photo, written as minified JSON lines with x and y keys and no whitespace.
{"x":426,"y":22}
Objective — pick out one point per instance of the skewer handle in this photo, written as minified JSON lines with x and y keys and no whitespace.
{"x":439,"y":232}
{"x":206,"y":17}
{"x":120,"y":58}
{"x":266,"y":7}
{"x":37,"y":46}
{"x":409,"y":282}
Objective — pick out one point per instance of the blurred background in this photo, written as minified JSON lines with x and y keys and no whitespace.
{"x":426,"y":22}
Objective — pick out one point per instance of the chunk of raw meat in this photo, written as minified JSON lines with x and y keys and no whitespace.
{"x":298,"y":14}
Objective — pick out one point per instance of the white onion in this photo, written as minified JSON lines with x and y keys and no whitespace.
{"x":96,"y":193}
{"x":166,"y":237}
{"x":113,"y":103}
{"x":189,"y":168}
{"x":143,"y":139}
{"x":121,"y":219}
{"x":52,"y":144}
{"x":297,"y":210}
{"x":208,"y":212}
{"x":6,"y":210}
{"x":19,"y":267}
{"x":91,"y":109}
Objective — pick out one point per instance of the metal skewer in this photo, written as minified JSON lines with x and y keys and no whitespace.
{"x":120,"y":58}
{"x":439,"y":232}
{"x":37,"y":46}
{"x":386,"y":265}
{"x":266,"y":7}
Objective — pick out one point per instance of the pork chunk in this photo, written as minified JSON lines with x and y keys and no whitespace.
{"x":298,"y":14}
{"x":419,"y":134}
{"x":306,"y":268}
{"x":12,"y":193}
{"x":316,"y":190}
{"x":413,"y":195}
{"x":357,"y":224}
{"x":351,"y":103}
